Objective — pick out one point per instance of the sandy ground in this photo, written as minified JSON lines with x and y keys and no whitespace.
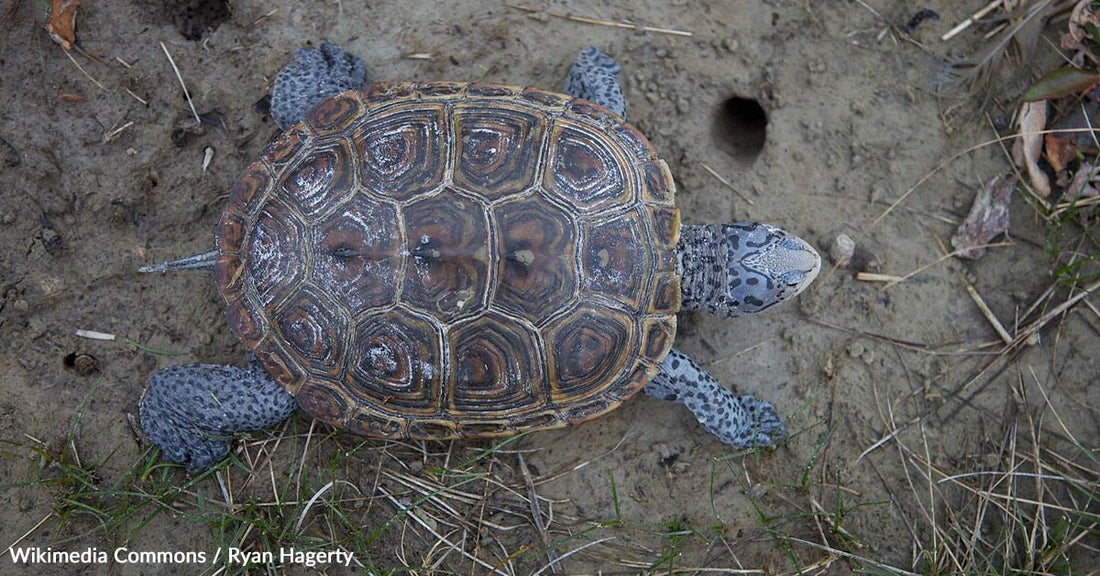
{"x":93,"y":189}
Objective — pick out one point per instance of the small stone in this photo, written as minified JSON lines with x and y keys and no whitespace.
{"x":842,"y":249}
{"x":856,"y":350}
{"x":731,"y":44}
{"x":683,"y":105}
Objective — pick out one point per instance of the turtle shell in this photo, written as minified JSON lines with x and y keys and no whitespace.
{"x":440,"y":260}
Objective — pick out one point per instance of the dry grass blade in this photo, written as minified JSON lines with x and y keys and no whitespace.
{"x":186,"y":93}
{"x":978,"y":72}
{"x":609,"y":23}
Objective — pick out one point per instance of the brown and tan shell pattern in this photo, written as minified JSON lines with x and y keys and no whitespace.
{"x":442,"y":260}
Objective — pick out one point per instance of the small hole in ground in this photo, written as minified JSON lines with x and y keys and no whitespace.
{"x":194,"y":18}
{"x":741,"y":128}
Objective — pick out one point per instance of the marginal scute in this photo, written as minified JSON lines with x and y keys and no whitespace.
{"x":370,"y":423}
{"x":324,"y":402}
{"x":520,"y":290}
{"x":657,"y":183}
{"x":335,"y":114}
{"x":248,"y":192}
{"x":441,"y":90}
{"x":280,"y":151}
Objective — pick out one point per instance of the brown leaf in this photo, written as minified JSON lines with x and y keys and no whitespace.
{"x":988,"y":217}
{"x":1031,"y":121}
{"x":1060,"y":151}
{"x":62,"y":24}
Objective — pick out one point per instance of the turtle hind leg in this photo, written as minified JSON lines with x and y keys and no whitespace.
{"x":594,"y":76}
{"x":740,"y":421}
{"x":191,"y":411}
{"x":742,"y":268}
{"x":313,"y":75}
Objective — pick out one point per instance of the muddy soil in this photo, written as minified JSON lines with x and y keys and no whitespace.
{"x":819,"y":115}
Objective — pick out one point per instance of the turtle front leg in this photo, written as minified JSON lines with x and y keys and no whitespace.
{"x":191,"y":411}
{"x":740,"y":421}
{"x":594,"y":76}
{"x":742,"y":268}
{"x":313,"y":75}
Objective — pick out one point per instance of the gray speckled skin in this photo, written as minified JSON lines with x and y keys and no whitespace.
{"x":313,"y":75}
{"x":740,"y":421}
{"x":191,"y":411}
{"x":728,"y":269}
{"x":594,"y":76}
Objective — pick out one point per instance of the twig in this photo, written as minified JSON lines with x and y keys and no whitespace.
{"x":993,"y":321}
{"x":113,"y":133}
{"x":182,"y":85}
{"x":728,"y":184}
{"x":583,"y":20}
{"x":970,"y":21}
{"x":81,"y":68}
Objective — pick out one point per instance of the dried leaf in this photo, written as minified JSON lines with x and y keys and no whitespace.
{"x":1060,"y":151}
{"x":1031,"y":121}
{"x":988,"y":217}
{"x":62,"y":24}
{"x":1082,"y":184}
{"x":1061,"y":82}
{"x":1077,"y":29}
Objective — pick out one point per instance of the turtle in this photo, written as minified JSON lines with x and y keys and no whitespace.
{"x":440,"y":260}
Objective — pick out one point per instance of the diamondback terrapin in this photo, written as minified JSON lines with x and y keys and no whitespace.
{"x":453,"y":260}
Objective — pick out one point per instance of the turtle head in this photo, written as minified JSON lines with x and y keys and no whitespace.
{"x":742,"y":268}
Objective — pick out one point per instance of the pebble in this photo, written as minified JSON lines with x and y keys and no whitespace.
{"x":842,"y":250}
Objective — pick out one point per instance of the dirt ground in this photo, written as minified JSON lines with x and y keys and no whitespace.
{"x":103,"y":171}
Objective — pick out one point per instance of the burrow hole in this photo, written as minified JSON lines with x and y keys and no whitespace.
{"x":195,"y":18}
{"x":741,"y":128}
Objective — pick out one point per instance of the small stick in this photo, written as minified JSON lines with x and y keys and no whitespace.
{"x":81,"y":68}
{"x":583,"y":20}
{"x":136,"y":97}
{"x":182,"y":85}
{"x":970,"y":21}
{"x":728,"y":185}
{"x":942,"y":258}
{"x":993,"y":321}
{"x":94,"y":335}
{"x":421,"y":56}
{"x":113,"y":133}
{"x":873,"y":277}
